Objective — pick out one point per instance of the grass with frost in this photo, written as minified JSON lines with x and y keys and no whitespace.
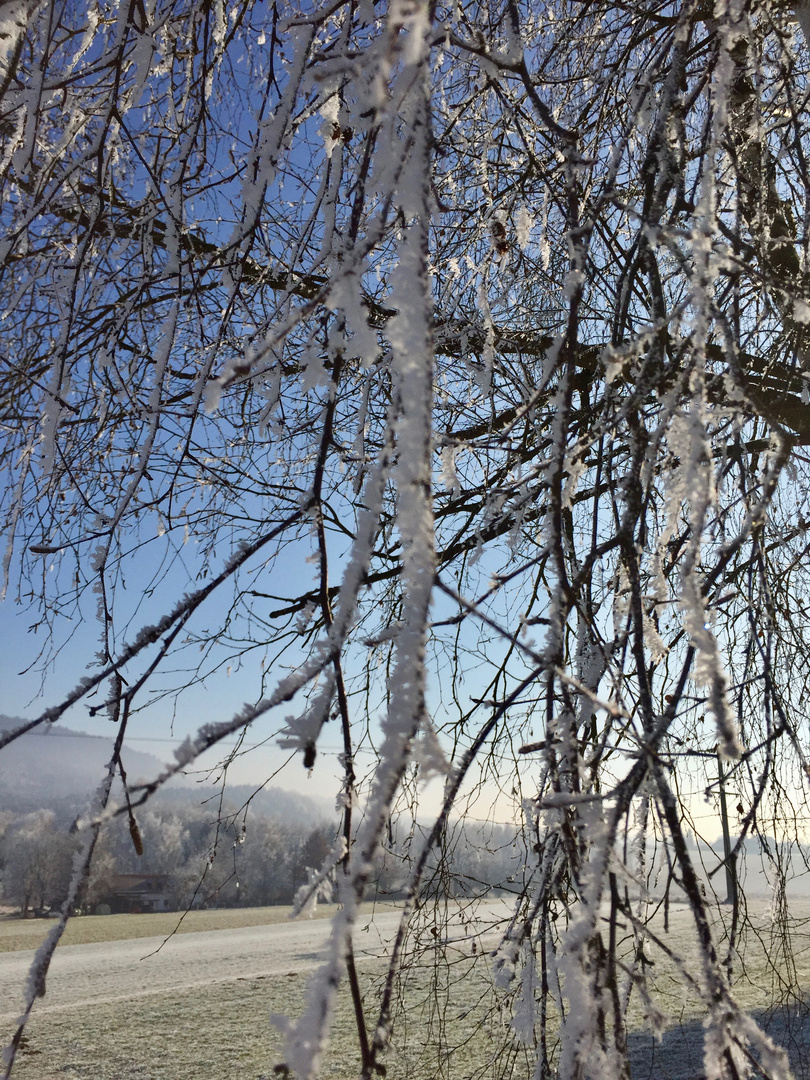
{"x":16,"y":934}
{"x":223,"y":1032}
{"x":453,"y":1024}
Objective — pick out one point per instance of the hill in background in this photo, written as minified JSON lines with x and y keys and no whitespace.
{"x":288,"y":807}
{"x":57,"y":768}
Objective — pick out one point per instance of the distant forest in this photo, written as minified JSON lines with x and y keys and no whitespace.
{"x":243,"y":847}
{"x":218,"y":855}
{"x":221,"y":848}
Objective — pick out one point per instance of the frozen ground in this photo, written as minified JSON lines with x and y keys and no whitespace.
{"x":83,"y":975}
{"x":679,"y":1055}
{"x":87,"y":978}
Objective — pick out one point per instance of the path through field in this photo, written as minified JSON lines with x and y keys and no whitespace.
{"x":201,"y":1006}
{"x":83,"y":975}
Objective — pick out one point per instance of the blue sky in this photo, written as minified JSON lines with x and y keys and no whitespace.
{"x":31,"y":685}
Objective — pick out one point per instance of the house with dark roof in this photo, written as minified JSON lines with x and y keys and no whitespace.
{"x":134,"y":893}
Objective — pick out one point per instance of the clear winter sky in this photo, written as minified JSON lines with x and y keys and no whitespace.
{"x":160,"y":728}
{"x":167,"y":721}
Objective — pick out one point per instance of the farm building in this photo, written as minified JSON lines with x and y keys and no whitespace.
{"x":134,"y":893}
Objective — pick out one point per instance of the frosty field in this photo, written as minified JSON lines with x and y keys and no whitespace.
{"x":200,"y":1007}
{"x":18,"y":934}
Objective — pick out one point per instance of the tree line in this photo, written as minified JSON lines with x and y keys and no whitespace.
{"x":223,"y":859}
{"x":205,"y":860}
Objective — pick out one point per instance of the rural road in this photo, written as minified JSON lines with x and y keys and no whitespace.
{"x":82,"y":975}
